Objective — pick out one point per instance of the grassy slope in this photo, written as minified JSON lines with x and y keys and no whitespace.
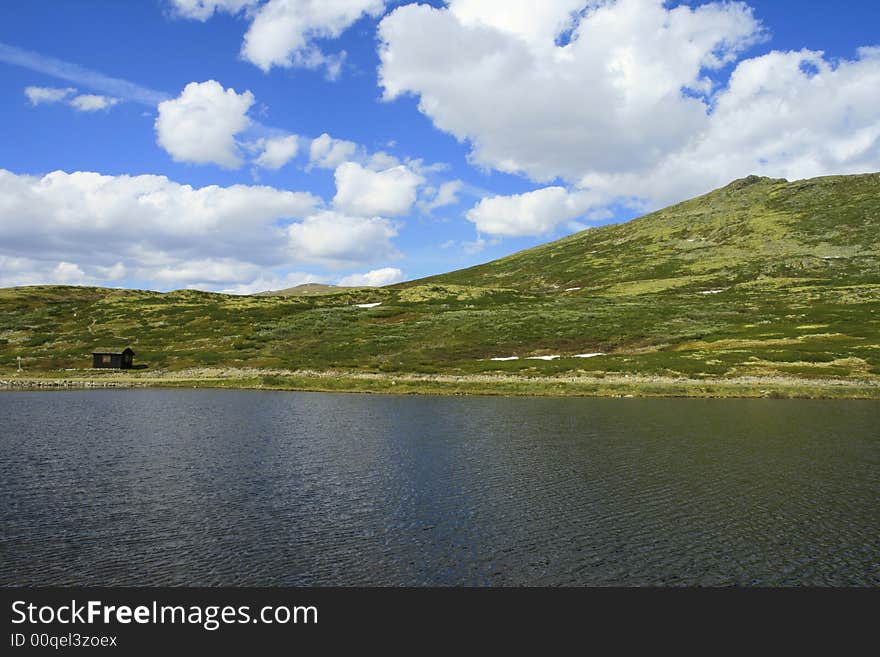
{"x":798,"y":266}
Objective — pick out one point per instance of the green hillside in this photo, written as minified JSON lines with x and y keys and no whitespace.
{"x":762,"y":277}
{"x":823,"y":230}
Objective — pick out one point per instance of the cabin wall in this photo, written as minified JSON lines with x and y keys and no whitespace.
{"x":115,"y":361}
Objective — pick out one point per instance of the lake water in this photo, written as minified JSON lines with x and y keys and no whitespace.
{"x":204,"y":487}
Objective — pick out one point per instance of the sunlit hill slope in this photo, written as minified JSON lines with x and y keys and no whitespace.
{"x":761,"y":277}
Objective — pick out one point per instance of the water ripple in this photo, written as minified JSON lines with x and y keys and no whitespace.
{"x":197,"y":487}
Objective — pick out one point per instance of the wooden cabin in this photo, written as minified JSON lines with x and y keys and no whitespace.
{"x":113,"y":358}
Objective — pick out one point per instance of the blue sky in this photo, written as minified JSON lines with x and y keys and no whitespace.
{"x":464,"y":132}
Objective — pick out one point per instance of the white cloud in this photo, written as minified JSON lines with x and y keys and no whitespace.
{"x":92,"y":102}
{"x":70,"y":208}
{"x":67,"y":273}
{"x":776,"y":118}
{"x":277,"y":151}
{"x":15,"y":270}
{"x":535,"y":22}
{"x":615,"y":97}
{"x":337,"y":240}
{"x":202,"y":10}
{"x":446,"y":194}
{"x":205,"y":272}
{"x":474,"y":247}
{"x":40,"y":95}
{"x":114,"y":87}
{"x":81,"y":103}
{"x":200,"y":125}
{"x":382,"y":160}
{"x":82,"y":227}
{"x":361,"y":191}
{"x":418,"y":165}
{"x":527,"y":105}
{"x":266,"y":283}
{"x":112,"y":273}
{"x":283,"y":32}
{"x":325,"y":152}
{"x":374,"y":278}
{"x":20,"y":271}
{"x":532,"y":213}
{"x":150,"y":229}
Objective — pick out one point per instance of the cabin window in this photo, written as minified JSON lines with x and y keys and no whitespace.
{"x":106,"y":359}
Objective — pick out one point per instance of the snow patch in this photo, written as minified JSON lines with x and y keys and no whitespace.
{"x":593,"y":355}
{"x":572,"y":289}
{"x":506,"y":358}
{"x":542,"y":357}
{"x":368,"y":305}
{"x":711,"y":291}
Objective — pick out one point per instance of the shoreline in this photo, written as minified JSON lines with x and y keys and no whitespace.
{"x":449,"y":384}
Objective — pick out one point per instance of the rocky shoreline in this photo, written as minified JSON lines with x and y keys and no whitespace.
{"x":456,"y":384}
{"x":28,"y":384}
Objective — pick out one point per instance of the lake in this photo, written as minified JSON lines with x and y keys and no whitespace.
{"x":224,"y":487}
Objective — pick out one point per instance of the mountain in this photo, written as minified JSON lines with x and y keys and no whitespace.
{"x":752,"y":229}
{"x":762,"y":277}
{"x":304,"y":290}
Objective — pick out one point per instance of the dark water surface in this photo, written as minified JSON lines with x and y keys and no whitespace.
{"x":202,"y":487}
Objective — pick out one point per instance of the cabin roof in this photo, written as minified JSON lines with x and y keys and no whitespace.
{"x":112,"y":350}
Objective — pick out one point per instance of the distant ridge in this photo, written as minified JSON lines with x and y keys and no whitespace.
{"x":306,"y":290}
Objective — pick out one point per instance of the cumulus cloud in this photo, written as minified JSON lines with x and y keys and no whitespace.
{"x":338,"y":240}
{"x":277,"y":152}
{"x":527,"y":105}
{"x":374,"y":278}
{"x":29,"y":271}
{"x":92,"y":102}
{"x":627,"y":98}
{"x":283,"y":32}
{"x":40,"y":95}
{"x":201,"y":124}
{"x":202,"y":10}
{"x":51,"y":271}
{"x":532,"y":213}
{"x":205,"y":271}
{"x":325,"y":152}
{"x":784,"y":114}
{"x":67,"y":95}
{"x":446,"y":194}
{"x":80,"y":209}
{"x":382,"y":160}
{"x":268,"y":282}
{"x":68,"y":273}
{"x":85,"y":227}
{"x":362,"y":191}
